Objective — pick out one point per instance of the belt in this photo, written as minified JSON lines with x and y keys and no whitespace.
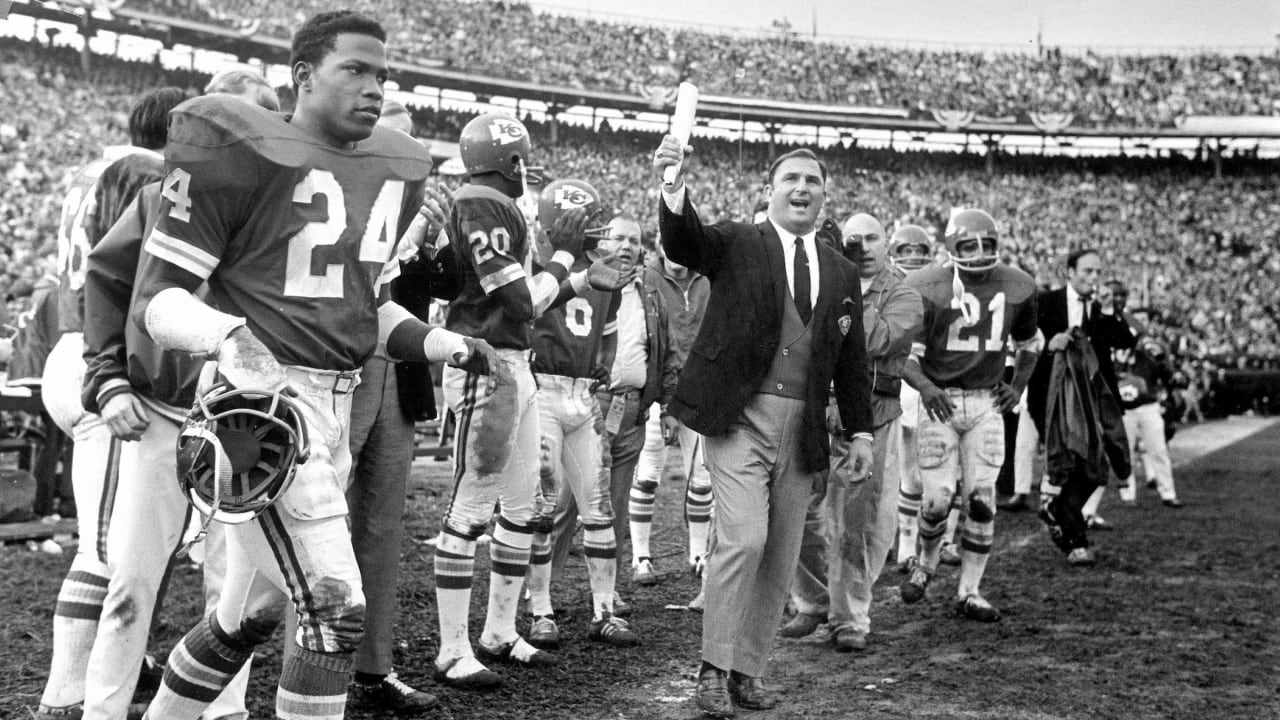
{"x":340,"y":383}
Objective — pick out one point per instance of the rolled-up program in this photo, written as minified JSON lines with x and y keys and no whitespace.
{"x":682,"y":123}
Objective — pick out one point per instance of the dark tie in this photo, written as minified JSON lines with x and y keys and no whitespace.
{"x":803,"y":304}
{"x":1084,"y":311}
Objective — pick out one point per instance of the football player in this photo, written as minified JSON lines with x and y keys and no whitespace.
{"x":98,"y":195}
{"x":910,"y":250}
{"x":1144,"y":381}
{"x":971,"y":310}
{"x":297,"y":256}
{"x":574,"y":346}
{"x":143,"y":394}
{"x":496,"y":453}
{"x":685,"y":293}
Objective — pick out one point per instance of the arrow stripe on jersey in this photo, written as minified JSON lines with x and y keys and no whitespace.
{"x":181,"y":253}
{"x":500,"y":278}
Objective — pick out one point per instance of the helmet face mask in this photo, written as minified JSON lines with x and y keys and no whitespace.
{"x":973,"y":225}
{"x":498,"y":143}
{"x":238,"y":452}
{"x":911,"y":248}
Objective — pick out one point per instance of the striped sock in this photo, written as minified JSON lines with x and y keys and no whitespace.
{"x":697,"y":512}
{"x":908,"y":524}
{"x":640,"y":510}
{"x":75,"y":626}
{"x":313,"y":685}
{"x":201,"y":665}
{"x":508,"y":560}
{"x":931,"y":531}
{"x":601,"y":551}
{"x":455,"y":564}
{"x":540,"y":575}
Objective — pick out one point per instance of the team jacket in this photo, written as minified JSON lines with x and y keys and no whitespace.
{"x":685,"y":307}
{"x":294,"y":235}
{"x":662,"y":365}
{"x":118,"y":357}
{"x":1083,"y":421}
{"x":892,"y":315}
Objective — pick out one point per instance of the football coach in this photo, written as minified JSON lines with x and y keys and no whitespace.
{"x":783,"y":322}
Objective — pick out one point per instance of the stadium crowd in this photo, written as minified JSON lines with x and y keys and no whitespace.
{"x":1189,"y":245}
{"x":1100,"y":89}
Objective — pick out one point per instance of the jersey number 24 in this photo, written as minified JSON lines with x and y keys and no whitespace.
{"x":375,"y":245}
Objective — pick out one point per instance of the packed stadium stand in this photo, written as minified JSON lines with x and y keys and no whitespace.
{"x":1100,"y":89}
{"x":1199,"y":248}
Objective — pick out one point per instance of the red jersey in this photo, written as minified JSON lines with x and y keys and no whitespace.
{"x":118,"y":356}
{"x":566,"y":339}
{"x":494,"y":245}
{"x":969,"y":354}
{"x":97,"y":195}
{"x":292,"y":234}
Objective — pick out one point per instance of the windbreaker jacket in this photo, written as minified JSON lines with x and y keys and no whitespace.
{"x":1083,"y":420}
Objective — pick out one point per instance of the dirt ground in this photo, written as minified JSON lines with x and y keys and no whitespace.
{"x":1178,"y":620}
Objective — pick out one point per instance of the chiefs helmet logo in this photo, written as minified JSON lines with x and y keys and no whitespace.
{"x":505,"y":131}
{"x":568,"y":197}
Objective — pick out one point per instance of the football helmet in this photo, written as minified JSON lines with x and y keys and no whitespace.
{"x":977,"y":225}
{"x":238,"y":451}
{"x":496,"y":142}
{"x":561,"y":196}
{"x":911,"y":248}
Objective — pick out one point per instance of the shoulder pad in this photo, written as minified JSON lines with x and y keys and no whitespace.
{"x":204,"y":127}
{"x":406,"y":158}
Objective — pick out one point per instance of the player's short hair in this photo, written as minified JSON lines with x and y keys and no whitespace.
{"x":1117,"y":286}
{"x":1075,"y":256}
{"x":803,"y":154}
{"x":318,"y":35}
{"x":149,"y":117}
{"x":246,"y":84}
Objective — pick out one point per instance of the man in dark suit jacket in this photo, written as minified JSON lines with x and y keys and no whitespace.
{"x":1107,"y":328}
{"x":783,"y":321}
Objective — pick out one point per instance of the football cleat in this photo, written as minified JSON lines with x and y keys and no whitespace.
{"x":913,"y":588}
{"x":975,"y":607}
{"x":614,"y":631}
{"x":390,"y":695}
{"x":544,"y":634}
{"x":642,"y":572}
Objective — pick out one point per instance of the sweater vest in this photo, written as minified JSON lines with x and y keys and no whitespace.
{"x":788,"y":374}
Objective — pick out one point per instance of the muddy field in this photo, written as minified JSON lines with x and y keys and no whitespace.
{"x":1178,"y":620}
